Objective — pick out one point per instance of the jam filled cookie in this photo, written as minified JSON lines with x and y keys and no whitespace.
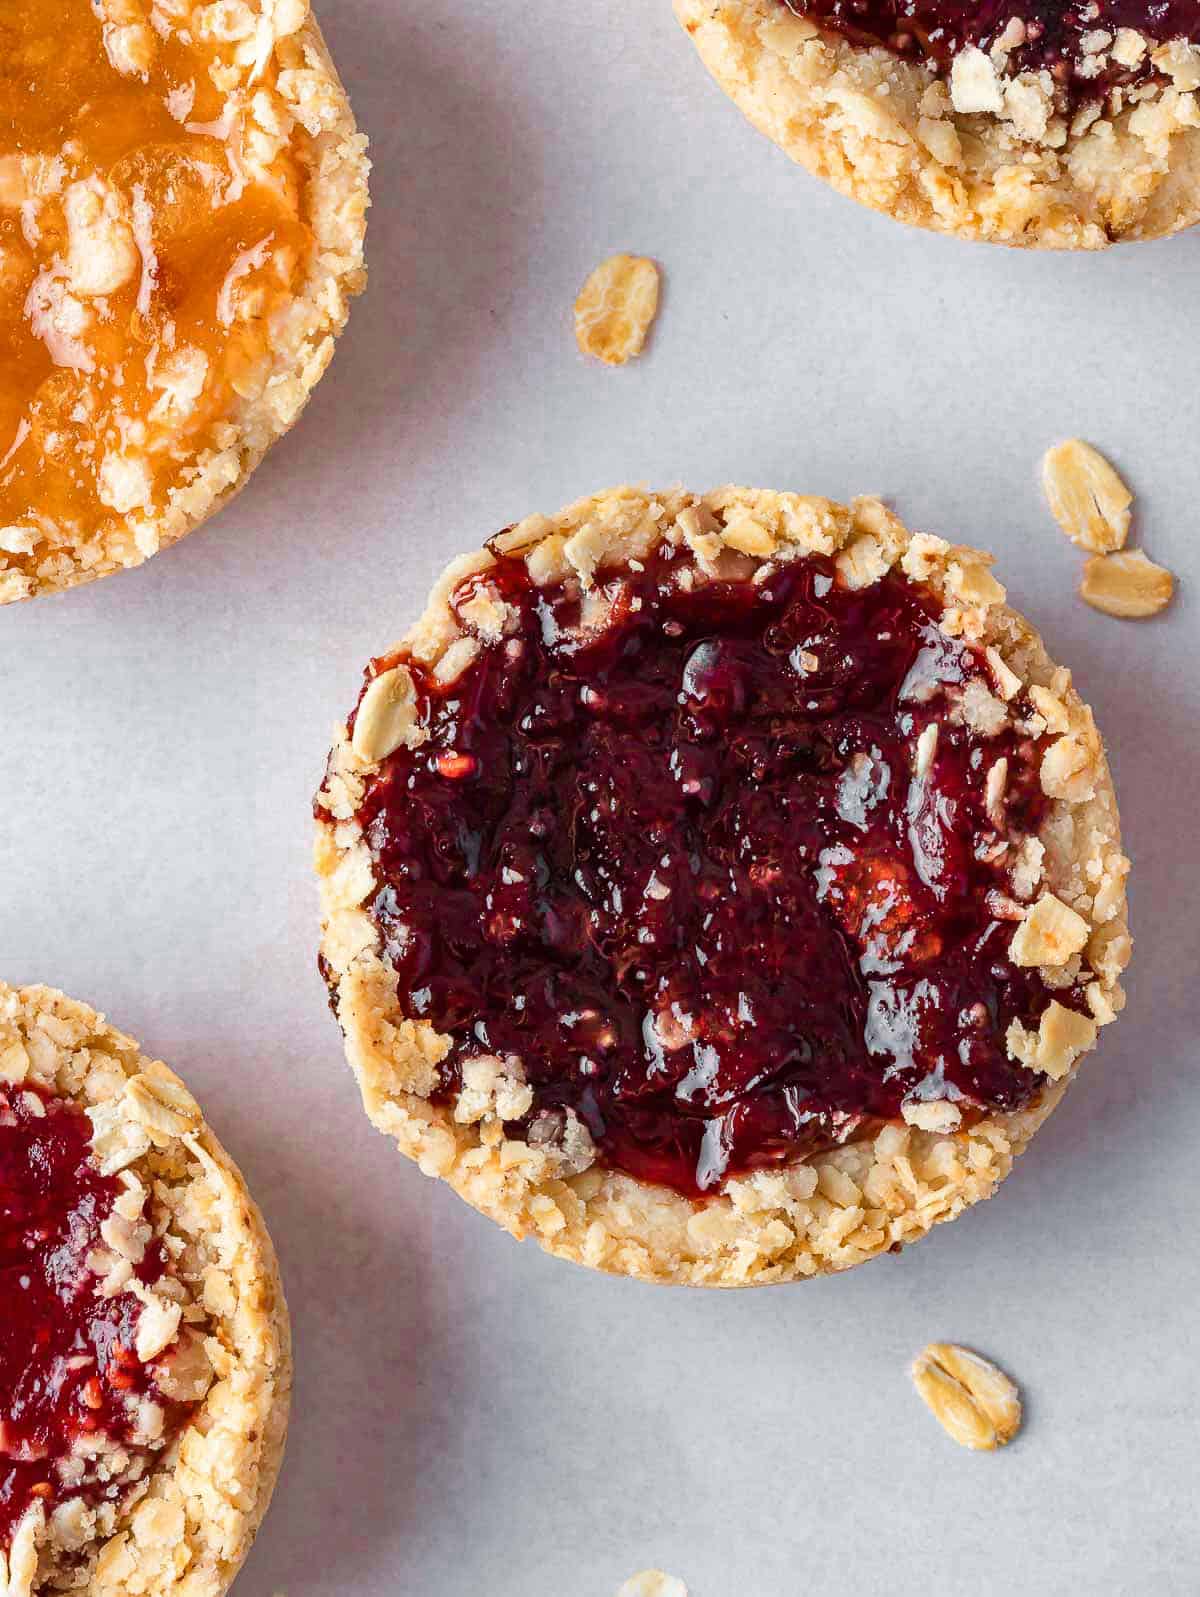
{"x":145,"y":1364}
{"x":721,"y":889}
{"x":182,"y":206}
{"x":1060,"y":125}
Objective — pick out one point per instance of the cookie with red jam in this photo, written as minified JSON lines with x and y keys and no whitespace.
{"x":145,"y":1365}
{"x":720,"y":889}
{"x":1064,"y":126}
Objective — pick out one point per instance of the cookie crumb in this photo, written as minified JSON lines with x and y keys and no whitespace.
{"x":974,"y":1402}
{"x":616,"y":307}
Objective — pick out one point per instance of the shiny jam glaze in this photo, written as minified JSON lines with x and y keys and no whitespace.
{"x":936,"y":30}
{"x":683,"y":868}
{"x":68,"y":1370}
{"x":146,"y":369}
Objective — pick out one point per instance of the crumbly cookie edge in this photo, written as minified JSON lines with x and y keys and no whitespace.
{"x":241,"y":1421}
{"x":813,"y":1218}
{"x":881,"y":131}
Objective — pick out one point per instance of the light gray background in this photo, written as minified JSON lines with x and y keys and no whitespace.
{"x":472,"y":1417}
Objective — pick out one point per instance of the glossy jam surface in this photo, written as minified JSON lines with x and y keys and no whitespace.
{"x":141,"y":255}
{"x":936,"y":30}
{"x":70,"y":1381}
{"x":684,"y":868}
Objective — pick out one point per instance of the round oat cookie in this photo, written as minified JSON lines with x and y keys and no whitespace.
{"x":721,"y":889}
{"x":145,"y":1355}
{"x":1052,"y":126}
{"x":183,"y":197}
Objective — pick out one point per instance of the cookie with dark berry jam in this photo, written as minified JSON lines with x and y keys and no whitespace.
{"x":704,"y":856}
{"x":144,"y":1365}
{"x":1045,"y":125}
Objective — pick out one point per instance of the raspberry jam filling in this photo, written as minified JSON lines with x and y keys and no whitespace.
{"x":703,"y":868}
{"x":1063,"y":39}
{"x":74,"y":1397}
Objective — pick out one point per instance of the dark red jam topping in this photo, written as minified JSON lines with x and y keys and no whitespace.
{"x":936,"y":30}
{"x":683,"y":869}
{"x":68,"y":1369}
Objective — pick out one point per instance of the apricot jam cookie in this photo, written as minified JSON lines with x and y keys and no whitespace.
{"x":722,"y":889}
{"x":145,"y":1362}
{"x":1064,"y":126}
{"x":182,"y":206}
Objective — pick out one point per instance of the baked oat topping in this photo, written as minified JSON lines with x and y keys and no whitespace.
{"x":704,"y":867}
{"x":1063,"y":54}
{"x":91,"y":1322}
{"x":616,"y":307}
{"x":972,"y":1400}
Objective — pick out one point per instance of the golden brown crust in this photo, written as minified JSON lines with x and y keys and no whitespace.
{"x":838,"y":1208}
{"x":187,"y":1526}
{"x":886,"y":132}
{"x":333,"y":205}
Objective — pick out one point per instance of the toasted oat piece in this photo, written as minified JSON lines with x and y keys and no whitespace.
{"x":387,"y":716}
{"x":616,"y":307}
{"x":1127,"y":585}
{"x":1087,"y":498}
{"x":159,"y":1409}
{"x":972,"y":1400}
{"x":503,"y":882}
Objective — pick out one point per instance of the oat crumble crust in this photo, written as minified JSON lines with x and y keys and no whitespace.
{"x":838,"y":1208}
{"x":187,"y":1525}
{"x":981,"y":156}
{"x":283,"y":129}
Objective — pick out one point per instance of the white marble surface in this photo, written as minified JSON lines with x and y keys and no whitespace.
{"x":472,"y":1417}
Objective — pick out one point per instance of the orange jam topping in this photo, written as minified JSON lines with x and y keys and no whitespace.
{"x":150,"y":235}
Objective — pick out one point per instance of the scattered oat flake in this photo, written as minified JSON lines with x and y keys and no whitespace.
{"x":1127,"y":585}
{"x":1087,"y":498}
{"x":653,"y":1583}
{"x":972,"y":1400}
{"x":615,"y":308}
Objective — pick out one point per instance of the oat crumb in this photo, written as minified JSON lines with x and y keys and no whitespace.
{"x":616,"y":307}
{"x":653,"y":1583}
